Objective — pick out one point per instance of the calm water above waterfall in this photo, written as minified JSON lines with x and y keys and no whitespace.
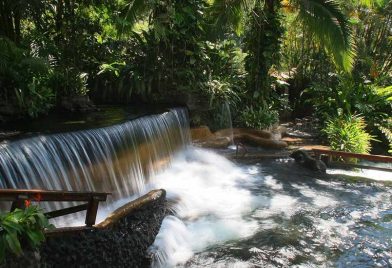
{"x":60,"y":122}
{"x":269,"y":213}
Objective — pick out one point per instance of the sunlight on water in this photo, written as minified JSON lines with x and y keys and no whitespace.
{"x":228,"y":215}
{"x":366,"y":173}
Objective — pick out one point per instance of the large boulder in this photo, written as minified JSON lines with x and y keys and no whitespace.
{"x":224,"y":137}
{"x":201,"y":133}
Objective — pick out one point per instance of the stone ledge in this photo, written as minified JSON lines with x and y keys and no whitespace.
{"x":130,"y":208}
{"x":119,"y":241}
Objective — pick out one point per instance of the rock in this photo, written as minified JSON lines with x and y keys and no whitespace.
{"x":204,"y":138}
{"x":216,"y":142}
{"x":222,"y":138}
{"x":259,"y":141}
{"x":77,"y":104}
{"x":240,"y":131}
{"x":308,"y":162}
{"x":262,"y":138}
{"x":201,"y":133}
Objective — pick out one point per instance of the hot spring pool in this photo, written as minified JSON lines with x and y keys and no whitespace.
{"x":269,"y":213}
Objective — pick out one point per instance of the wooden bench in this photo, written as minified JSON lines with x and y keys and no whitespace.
{"x":20,"y":197}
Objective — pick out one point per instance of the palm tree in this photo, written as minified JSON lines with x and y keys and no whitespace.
{"x":324,"y":18}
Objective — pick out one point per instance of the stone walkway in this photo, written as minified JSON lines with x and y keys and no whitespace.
{"x":303,"y":134}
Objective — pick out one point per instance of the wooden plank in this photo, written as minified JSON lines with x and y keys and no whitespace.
{"x":369,"y":157}
{"x":19,"y":197}
{"x":45,"y":195}
{"x":91,"y":214}
{"x":66,"y":211}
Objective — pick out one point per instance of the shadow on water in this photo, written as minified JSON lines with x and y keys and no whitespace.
{"x":310,"y":219}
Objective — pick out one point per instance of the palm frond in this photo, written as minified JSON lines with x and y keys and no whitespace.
{"x":385,"y":92}
{"x":131,"y":12}
{"x":386,"y":128}
{"x":325,"y":19}
{"x":35,"y":65}
{"x":373,"y":3}
{"x":230,"y":13}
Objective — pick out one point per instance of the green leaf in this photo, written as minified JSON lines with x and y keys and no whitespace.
{"x":36,"y":237}
{"x":13,"y":243}
{"x":2,"y":249}
{"x":131,"y":12}
{"x":326,"y":20}
{"x":11,"y":226}
{"x":42,"y":220}
{"x":230,"y":13}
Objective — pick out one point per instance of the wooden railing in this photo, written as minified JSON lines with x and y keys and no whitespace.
{"x":368,"y":157}
{"x":21,"y":198}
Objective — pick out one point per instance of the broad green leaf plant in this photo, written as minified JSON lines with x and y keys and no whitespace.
{"x":21,"y":228}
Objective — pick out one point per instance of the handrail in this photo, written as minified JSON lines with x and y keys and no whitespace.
{"x":369,"y":157}
{"x":18,"y":197}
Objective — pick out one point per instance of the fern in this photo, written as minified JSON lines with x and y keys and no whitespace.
{"x":348,"y":133}
{"x":386,"y":129}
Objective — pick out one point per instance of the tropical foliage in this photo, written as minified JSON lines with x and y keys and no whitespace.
{"x":259,"y":118}
{"x":348,"y":134}
{"x":21,"y":228}
{"x":326,"y":57}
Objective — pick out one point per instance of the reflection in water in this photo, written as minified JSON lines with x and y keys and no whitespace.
{"x":269,"y":214}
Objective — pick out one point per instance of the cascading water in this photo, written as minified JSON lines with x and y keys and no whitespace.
{"x":119,"y":159}
{"x":224,"y":214}
{"x":227,"y":121}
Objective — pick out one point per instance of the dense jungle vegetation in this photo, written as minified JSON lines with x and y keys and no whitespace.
{"x":267,"y":59}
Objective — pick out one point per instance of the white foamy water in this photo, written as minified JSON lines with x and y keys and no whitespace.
{"x":210,"y":209}
{"x":376,"y":175}
{"x":222,"y":210}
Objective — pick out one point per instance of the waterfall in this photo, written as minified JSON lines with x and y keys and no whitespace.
{"x":226,"y":115}
{"x":118,"y":159}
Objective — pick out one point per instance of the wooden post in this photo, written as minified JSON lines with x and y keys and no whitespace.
{"x":18,"y":197}
{"x":92,"y":209}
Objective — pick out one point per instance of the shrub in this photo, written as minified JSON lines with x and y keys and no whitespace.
{"x":351,"y":97}
{"x":24,"y":79}
{"x":348,"y":134}
{"x":19,"y":227}
{"x":386,"y":128}
{"x":38,"y":99}
{"x":260,"y":118}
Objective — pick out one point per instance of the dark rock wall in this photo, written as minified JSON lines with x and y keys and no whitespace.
{"x":122,"y":244}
